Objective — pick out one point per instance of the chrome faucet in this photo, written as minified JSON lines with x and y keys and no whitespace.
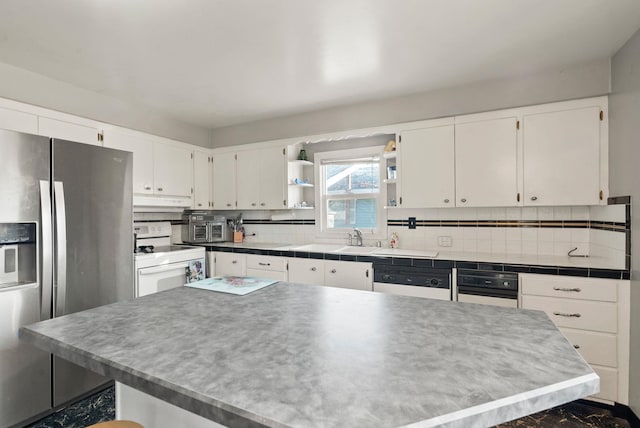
{"x":358,"y":236}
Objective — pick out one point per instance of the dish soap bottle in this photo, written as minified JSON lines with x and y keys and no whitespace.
{"x":393,"y":242}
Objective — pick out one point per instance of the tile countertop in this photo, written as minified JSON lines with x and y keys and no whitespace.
{"x":324,"y":356}
{"x":518,"y":259}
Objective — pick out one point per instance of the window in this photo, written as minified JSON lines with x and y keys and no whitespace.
{"x":350,"y":191}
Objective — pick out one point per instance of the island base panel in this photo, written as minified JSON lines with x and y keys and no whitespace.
{"x":149,"y":411}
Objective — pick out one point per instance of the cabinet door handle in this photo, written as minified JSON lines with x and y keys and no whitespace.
{"x":264,"y":264}
{"x":576,"y":346}
{"x":562,"y":314}
{"x":147,"y":187}
{"x":446,"y":201}
{"x":199,"y":205}
{"x":234,"y":262}
{"x":253,"y":204}
{"x":262,"y":204}
{"x":534,"y":198}
{"x":463,"y":200}
{"x":228,"y":205}
{"x":159,"y":189}
{"x":313,"y":269}
{"x":333,"y":271}
{"x":576,"y":289}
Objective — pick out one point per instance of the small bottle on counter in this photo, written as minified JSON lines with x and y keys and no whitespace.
{"x":394,"y":242}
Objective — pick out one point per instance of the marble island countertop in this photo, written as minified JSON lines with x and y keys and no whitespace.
{"x":323,"y":356}
{"x":592,"y":262}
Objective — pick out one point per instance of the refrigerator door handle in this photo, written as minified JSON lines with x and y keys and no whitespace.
{"x":61,"y":249}
{"x":46,"y":278}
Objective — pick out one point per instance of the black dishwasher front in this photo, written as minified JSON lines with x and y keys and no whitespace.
{"x":413,"y":281}
{"x":488,"y":287}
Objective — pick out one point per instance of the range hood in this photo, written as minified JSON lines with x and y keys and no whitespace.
{"x":151,"y":204}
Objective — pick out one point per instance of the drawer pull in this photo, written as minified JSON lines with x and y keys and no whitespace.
{"x":576,"y":346}
{"x":577,"y":290}
{"x":313,"y":269}
{"x":562,"y":314}
{"x":234,"y":262}
{"x":333,"y":271}
{"x":264,"y":264}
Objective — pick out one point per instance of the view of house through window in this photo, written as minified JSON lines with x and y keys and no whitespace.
{"x":351,"y":192}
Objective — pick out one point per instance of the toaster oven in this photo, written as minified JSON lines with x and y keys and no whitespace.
{"x":203,"y":228}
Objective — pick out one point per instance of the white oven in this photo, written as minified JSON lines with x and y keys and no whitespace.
{"x":159,"y":265}
{"x":170,"y":275}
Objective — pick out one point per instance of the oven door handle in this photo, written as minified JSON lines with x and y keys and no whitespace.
{"x":165,"y":268}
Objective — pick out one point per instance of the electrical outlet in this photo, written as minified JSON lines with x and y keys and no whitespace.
{"x":444,"y":241}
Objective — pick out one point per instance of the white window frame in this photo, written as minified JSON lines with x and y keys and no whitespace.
{"x":377,"y":233}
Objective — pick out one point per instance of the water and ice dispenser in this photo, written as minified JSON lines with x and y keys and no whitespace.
{"x":18,"y":254}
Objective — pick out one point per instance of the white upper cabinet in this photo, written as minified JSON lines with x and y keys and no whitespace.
{"x":19,"y":121}
{"x":261,"y":178}
{"x":69,"y":131}
{"x":142,"y":150}
{"x":172,"y":170}
{"x":248,"y":179}
{"x":273,"y":178}
{"x":426,"y":167}
{"x":202,"y":180}
{"x":486,"y":163}
{"x":562,"y":157}
{"x":159,"y":168}
{"x":224,"y":181}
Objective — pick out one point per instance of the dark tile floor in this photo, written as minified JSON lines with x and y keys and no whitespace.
{"x":101,"y":407}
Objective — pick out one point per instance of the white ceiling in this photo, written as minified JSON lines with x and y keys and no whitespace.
{"x":221,"y":62}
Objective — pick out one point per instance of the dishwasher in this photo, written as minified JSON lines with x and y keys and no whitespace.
{"x":488,"y":287}
{"x":413,"y":281}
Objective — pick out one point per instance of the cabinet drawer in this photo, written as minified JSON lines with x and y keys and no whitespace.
{"x":570,"y":287}
{"x":580,"y":314}
{"x":595,"y":348}
{"x":608,"y":383}
{"x":272,"y":274}
{"x":272,"y":263}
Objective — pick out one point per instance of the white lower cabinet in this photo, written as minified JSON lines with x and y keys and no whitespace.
{"x":356,"y":275}
{"x":229,"y":264}
{"x":593,"y":315}
{"x":211,"y":264}
{"x":306,"y":271}
{"x":266,"y":266}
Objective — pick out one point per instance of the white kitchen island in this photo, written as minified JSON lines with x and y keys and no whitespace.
{"x":297,"y":355}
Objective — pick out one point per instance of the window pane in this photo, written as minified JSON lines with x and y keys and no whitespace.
{"x":349,"y":178}
{"x":350,"y":213}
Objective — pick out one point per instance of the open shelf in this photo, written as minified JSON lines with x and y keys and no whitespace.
{"x":389,"y":155}
{"x":301,"y":162}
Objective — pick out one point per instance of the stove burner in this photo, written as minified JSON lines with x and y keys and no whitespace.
{"x":144,"y":249}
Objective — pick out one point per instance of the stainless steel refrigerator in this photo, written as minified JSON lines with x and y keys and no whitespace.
{"x":66,"y":244}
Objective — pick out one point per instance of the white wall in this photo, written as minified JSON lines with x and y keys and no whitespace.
{"x":31,"y":88}
{"x":624,"y":155}
{"x":580,"y":81}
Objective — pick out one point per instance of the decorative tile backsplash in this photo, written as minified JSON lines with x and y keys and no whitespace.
{"x":598,"y":231}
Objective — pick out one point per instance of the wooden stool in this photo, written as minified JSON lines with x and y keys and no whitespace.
{"x":116,"y":424}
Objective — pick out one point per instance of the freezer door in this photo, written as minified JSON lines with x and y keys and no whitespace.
{"x":93,"y":241}
{"x":25,"y":371}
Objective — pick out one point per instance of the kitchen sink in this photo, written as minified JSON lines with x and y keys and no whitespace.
{"x":318,"y":248}
{"x":351,"y":249}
